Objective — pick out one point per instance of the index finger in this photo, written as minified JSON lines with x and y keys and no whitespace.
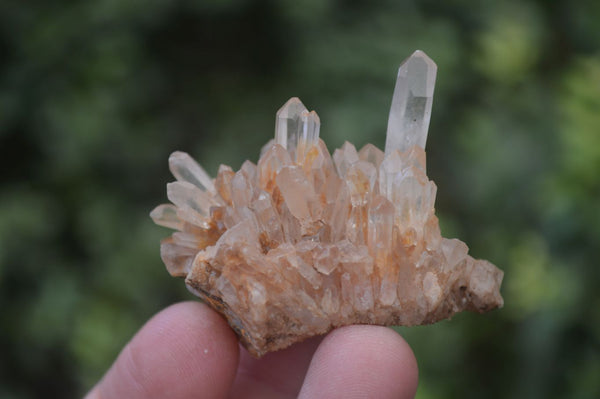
{"x":184,"y":351}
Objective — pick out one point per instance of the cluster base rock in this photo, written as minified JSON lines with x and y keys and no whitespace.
{"x":303,"y":242}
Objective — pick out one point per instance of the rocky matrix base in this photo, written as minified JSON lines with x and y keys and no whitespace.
{"x":304,"y":242}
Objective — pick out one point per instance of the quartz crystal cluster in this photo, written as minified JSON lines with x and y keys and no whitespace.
{"x":303,"y":242}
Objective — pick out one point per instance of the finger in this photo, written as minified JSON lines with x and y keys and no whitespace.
{"x":362,"y":362}
{"x":275,"y":375}
{"x":184,"y":350}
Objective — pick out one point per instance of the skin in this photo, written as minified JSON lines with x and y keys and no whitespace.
{"x":189,"y":351}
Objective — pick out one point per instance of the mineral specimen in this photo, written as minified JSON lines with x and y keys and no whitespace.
{"x":304,"y":242}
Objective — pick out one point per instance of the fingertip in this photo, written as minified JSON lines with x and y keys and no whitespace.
{"x":185,"y":349}
{"x":362,"y":361}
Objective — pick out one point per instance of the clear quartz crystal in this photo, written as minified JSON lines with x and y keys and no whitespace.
{"x":371,"y":154}
{"x":381,"y":224}
{"x":411,"y":104}
{"x":344,"y":157}
{"x":267,"y":217}
{"x":389,"y":172}
{"x":184,"y":168}
{"x":190,"y":199}
{"x":309,"y":134}
{"x":287,"y":124}
{"x":296,"y":129}
{"x":166,"y":215}
{"x":270,"y":163}
{"x":296,"y":191}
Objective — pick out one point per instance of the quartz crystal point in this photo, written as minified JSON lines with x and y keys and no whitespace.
{"x":303,"y":242}
{"x":184,"y":168}
{"x":296,"y":129}
{"x":411,"y":104}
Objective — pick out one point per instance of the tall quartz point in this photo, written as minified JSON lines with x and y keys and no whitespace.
{"x":410,"y":113}
{"x":303,"y":242}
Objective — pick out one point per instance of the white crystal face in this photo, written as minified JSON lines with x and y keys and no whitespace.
{"x":411,"y":104}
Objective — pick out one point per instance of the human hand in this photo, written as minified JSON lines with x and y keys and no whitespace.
{"x":189,"y":351}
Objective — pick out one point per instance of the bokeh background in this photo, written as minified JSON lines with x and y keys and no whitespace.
{"x":94,"y":96}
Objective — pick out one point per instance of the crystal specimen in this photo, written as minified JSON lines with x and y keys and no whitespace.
{"x":304,"y":242}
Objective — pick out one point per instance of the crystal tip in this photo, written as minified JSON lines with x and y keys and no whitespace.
{"x":421,"y":54}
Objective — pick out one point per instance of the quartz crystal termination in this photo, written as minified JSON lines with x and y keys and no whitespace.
{"x":410,"y":113}
{"x":296,"y":129}
{"x":304,"y":242}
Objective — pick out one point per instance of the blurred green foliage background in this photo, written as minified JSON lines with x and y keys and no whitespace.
{"x":94,"y":96}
